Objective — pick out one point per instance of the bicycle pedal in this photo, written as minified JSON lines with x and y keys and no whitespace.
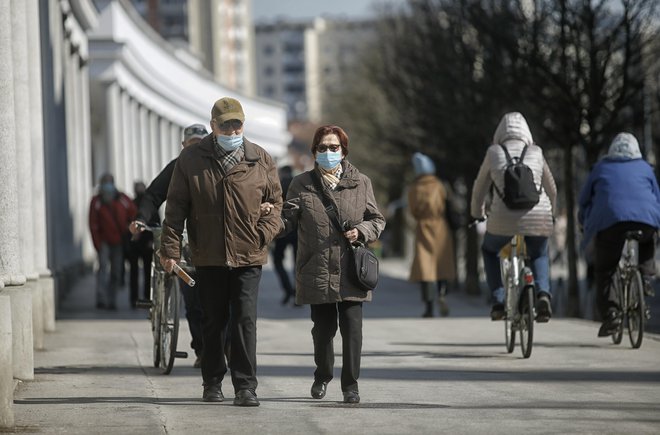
{"x":144,"y":303}
{"x":180,"y":354}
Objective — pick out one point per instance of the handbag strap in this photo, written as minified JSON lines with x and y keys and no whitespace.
{"x":328,"y":201}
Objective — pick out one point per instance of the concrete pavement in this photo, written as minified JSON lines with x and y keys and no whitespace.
{"x":441,"y":375}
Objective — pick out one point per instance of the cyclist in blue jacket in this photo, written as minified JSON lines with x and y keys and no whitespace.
{"x":620,"y":195}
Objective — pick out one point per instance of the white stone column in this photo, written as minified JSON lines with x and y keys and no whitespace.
{"x":123,"y":181}
{"x":155,"y":140}
{"x":6,"y":365}
{"x":9,"y":243}
{"x":88,"y":181}
{"x":113,"y":125}
{"x":175,"y":141}
{"x":146,"y":165}
{"x":40,"y":247}
{"x":164,"y":142}
{"x":21,"y":327}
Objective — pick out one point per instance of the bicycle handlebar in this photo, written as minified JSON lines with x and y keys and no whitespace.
{"x":176,"y":269}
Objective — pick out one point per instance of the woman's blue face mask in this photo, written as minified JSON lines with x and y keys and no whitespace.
{"x":328,"y":159}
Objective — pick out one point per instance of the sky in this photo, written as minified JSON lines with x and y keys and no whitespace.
{"x":269,"y":10}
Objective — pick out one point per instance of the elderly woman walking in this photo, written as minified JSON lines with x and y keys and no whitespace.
{"x":322,"y":263}
{"x":434,"y":247}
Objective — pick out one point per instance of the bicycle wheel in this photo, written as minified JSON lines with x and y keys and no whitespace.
{"x":509,"y":334}
{"x":509,"y":319}
{"x":527,"y":321}
{"x":618,"y":286}
{"x":635,"y":310}
{"x":154,"y":312}
{"x":169,"y":325}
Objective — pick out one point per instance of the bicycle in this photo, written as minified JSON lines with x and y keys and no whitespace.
{"x":518,"y":281}
{"x":628,"y":284}
{"x":163,"y":305}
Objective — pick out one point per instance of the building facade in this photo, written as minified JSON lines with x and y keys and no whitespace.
{"x":280,"y":65}
{"x":222,"y":35}
{"x":332,"y":49}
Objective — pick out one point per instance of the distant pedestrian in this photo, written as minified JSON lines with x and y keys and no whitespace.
{"x":433,"y":264}
{"x":217,"y":190}
{"x":140,"y":252}
{"x":110,"y":212}
{"x":323,"y":254}
{"x":290,"y":239}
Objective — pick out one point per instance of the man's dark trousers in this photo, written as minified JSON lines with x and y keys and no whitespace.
{"x":220,"y":288}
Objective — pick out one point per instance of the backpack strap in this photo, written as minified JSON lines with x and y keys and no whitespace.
{"x":506,"y":153}
{"x":522,"y":154}
{"x":328,"y":202}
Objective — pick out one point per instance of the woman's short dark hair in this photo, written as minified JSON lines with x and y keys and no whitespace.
{"x":331,"y":129}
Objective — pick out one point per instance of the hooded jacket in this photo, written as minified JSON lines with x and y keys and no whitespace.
{"x":221,"y":211}
{"x":323,"y":254}
{"x":621,"y":188}
{"x":513,"y":132}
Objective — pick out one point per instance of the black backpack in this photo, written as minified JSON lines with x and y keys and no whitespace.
{"x":520,"y":192}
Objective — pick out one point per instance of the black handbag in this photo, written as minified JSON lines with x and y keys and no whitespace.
{"x":364,"y":263}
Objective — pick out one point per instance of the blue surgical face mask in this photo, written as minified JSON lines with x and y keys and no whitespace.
{"x":229,"y":143}
{"x":328,"y":159}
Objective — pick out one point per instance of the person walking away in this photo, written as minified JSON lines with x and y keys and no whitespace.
{"x":110,"y":212}
{"x":322,"y":265}
{"x":217,"y":189}
{"x":140,"y":252}
{"x":514,"y":138}
{"x":283,"y":242}
{"x":433,"y":263}
{"x":148,"y":207}
{"x":620,"y":195}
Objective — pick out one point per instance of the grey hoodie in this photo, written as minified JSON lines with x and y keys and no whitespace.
{"x":513,"y":132}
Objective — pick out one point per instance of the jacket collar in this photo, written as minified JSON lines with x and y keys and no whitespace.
{"x":350,"y":176}
{"x":206,"y":148}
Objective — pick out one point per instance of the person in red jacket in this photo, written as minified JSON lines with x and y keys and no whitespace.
{"x":110,"y":213}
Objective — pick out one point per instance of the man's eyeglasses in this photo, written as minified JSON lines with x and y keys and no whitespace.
{"x":332,"y":147}
{"x":232,"y":124}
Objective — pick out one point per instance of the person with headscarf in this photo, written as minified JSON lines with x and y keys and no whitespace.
{"x":620,"y":195}
{"x":535,"y":224}
{"x":434,"y":247}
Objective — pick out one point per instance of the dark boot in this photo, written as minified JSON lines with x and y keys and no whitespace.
{"x":427,"y":297}
{"x":429,"y":309}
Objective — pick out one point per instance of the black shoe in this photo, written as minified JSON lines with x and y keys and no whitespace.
{"x":497,"y":312}
{"x":100,"y":306}
{"x":246,"y":398}
{"x":198,"y":362}
{"x":318,"y":389}
{"x":213,"y":392}
{"x":286,"y":298}
{"x":610,"y":325}
{"x":543,"y":308}
{"x":351,"y":397}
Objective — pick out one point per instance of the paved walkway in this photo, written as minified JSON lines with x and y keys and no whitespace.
{"x":422,"y":376}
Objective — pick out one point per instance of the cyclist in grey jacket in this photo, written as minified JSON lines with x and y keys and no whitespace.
{"x":536,"y":224}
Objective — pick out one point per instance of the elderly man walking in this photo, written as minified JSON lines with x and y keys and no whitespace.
{"x":217,"y":188}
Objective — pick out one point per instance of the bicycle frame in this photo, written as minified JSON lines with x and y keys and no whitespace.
{"x":518,"y":282}
{"x":631,"y":299}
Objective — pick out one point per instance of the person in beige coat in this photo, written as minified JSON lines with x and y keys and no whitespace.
{"x":323,"y":259}
{"x":536,"y":224}
{"x":434,"y":247}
